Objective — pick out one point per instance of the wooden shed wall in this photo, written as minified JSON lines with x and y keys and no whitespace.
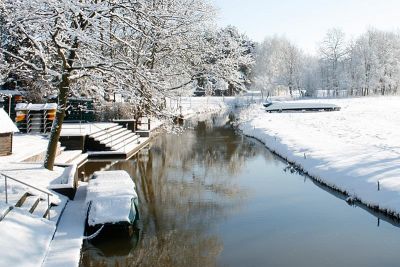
{"x":5,"y":144}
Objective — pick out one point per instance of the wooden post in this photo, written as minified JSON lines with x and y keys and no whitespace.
{"x":48,"y":206}
{"x":5,"y":184}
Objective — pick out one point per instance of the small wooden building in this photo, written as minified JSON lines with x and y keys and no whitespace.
{"x":7,"y":129}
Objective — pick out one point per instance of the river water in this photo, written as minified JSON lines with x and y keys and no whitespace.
{"x":212,"y":197}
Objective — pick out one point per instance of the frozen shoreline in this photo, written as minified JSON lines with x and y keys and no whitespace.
{"x":350,"y":150}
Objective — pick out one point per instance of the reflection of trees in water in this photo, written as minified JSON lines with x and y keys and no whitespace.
{"x":185,"y":184}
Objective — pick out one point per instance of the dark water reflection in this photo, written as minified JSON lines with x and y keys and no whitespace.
{"x":210,"y":197}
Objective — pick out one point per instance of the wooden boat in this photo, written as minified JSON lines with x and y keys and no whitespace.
{"x":112,"y":201}
{"x":299,"y":107}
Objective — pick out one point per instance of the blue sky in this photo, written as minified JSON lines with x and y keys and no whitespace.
{"x":305,"y":22}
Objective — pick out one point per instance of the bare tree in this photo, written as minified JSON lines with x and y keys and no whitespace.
{"x":333,"y":50}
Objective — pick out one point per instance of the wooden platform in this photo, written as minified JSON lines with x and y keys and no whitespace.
{"x":299,"y":107}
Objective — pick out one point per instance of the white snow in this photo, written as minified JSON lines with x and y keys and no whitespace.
{"x":35,"y":174}
{"x":65,"y":248}
{"x":37,"y":144}
{"x":30,"y":106}
{"x":350,"y":150}
{"x":110,"y":194}
{"x":67,"y":156}
{"x":6,"y":124}
{"x":110,"y":210}
{"x":27,"y":239}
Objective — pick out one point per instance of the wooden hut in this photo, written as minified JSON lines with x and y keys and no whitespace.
{"x":7,"y":129}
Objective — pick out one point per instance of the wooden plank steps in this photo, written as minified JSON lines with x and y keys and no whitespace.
{"x":81,"y":159}
{"x":119,"y":132}
{"x":122,"y":139}
{"x":55,"y":212}
{"x":4,"y":209}
{"x":132,"y":146}
{"x":21,"y":200}
{"x":101,"y":130}
{"x":30,"y":203}
{"x":105,"y":131}
{"x":126,"y":142}
{"x":115,"y":138}
{"x":41,"y":209}
{"x":68,"y":156}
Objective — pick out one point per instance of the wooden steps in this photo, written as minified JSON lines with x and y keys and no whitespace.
{"x":31,"y":203}
{"x":105,"y":131}
{"x":71,"y":157}
{"x":27,"y":215}
{"x":113,"y":138}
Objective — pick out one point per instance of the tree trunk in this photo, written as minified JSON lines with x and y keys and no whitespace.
{"x":56,"y":128}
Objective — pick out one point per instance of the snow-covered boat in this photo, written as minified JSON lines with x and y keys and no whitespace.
{"x":299,"y":107}
{"x":112,"y":200}
{"x":267,"y":104}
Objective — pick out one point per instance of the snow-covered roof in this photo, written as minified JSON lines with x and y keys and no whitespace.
{"x":10,"y":92}
{"x":6,"y":124}
{"x":111,"y":194}
{"x":30,"y":106}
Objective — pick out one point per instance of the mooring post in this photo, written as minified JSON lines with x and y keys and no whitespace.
{"x":48,"y":206}
{"x":5,"y":184}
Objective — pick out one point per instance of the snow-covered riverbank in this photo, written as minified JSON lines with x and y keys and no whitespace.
{"x":350,"y":150}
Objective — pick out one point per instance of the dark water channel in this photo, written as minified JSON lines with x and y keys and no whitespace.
{"x":211,"y":197}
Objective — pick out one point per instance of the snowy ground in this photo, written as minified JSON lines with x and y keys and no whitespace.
{"x":26,"y":236}
{"x":36,"y":143}
{"x":350,"y":150}
{"x":33,"y":173}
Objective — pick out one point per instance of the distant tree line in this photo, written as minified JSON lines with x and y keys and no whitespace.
{"x":366,"y":65}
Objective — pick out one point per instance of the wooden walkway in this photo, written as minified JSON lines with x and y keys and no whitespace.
{"x":65,"y":248}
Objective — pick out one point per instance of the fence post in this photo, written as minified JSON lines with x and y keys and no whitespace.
{"x":6,"y":189}
{"x":48,"y":206}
